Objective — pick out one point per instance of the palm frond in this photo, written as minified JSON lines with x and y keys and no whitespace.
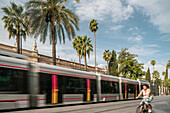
{"x":14,"y":20}
{"x":62,"y":30}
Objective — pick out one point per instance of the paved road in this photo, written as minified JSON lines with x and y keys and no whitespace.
{"x":160,"y":105}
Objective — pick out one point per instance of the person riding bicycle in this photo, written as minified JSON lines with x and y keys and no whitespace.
{"x":147,"y":98}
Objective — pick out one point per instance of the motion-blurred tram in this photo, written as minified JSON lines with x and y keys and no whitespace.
{"x":24,"y":84}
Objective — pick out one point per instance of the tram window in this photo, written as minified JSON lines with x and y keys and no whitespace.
{"x":137,"y":89}
{"x":141,"y":87}
{"x":13,"y":80}
{"x":45,"y":83}
{"x":66,"y":85}
{"x":131,"y":88}
{"x":109,"y":87}
{"x":123,"y":87}
{"x":93,"y":86}
{"x":73,"y":85}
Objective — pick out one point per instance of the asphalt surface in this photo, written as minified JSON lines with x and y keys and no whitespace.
{"x":160,"y":104}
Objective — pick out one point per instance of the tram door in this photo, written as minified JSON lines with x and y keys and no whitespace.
{"x":131,"y":90}
{"x":49,"y":86}
{"x":48,"y":89}
{"x":124,"y":90}
{"x":54,"y":89}
{"x":45,"y":86}
{"x":136,"y":90}
{"x":88,"y":94}
{"x":56,"y":95}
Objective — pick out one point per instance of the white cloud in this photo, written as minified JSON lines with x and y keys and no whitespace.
{"x":136,"y":39}
{"x":7,"y":2}
{"x":151,"y":45}
{"x":102,"y":65}
{"x":133,"y":29}
{"x":157,"y":10}
{"x":142,"y":51}
{"x":167,"y":53}
{"x":106,"y":31}
{"x":165,"y":38}
{"x":101,"y":9}
{"x":118,"y":27}
{"x":65,"y":51}
{"x":160,"y":67}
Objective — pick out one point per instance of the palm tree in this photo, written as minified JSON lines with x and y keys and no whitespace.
{"x":168,"y":64}
{"x":153,"y":62}
{"x":163,"y":73}
{"x":51,"y":19}
{"x":167,"y":67}
{"x":77,"y":42}
{"x":15,"y":22}
{"x":93,"y":27}
{"x":156,"y":74}
{"x":106,"y":56}
{"x":147,"y":76}
{"x":86,"y":48}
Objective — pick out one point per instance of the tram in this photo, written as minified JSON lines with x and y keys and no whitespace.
{"x":24,"y":84}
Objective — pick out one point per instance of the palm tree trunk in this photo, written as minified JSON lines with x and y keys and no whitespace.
{"x":107,"y":67}
{"x":166,"y":75}
{"x":53,"y":41}
{"x":85,"y":60}
{"x":153,"y":76}
{"x":80,"y":61}
{"x":95,"y":49}
{"x":21,"y":45}
{"x":153,"y":71}
{"x":18,"y":40}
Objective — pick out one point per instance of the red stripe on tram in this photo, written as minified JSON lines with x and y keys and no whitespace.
{"x":13,"y":66}
{"x":67,"y":74}
{"x":14,"y":100}
{"x":41,"y":99}
{"x":73,"y":98}
{"x":109,"y":79}
{"x":19,"y":100}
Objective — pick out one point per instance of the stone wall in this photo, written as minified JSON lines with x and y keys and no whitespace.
{"x":33,"y":56}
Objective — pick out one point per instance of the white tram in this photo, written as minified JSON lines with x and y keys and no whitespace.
{"x":24,"y":84}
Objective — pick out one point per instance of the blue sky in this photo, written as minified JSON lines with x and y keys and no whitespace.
{"x":143,"y":26}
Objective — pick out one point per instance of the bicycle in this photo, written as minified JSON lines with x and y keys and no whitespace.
{"x":144,"y":108}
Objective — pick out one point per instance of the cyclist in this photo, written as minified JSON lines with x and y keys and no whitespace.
{"x":147,"y":98}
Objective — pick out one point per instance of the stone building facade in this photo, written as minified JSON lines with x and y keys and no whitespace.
{"x":34,"y":56}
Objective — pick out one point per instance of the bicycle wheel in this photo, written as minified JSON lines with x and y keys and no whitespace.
{"x":150,"y":107}
{"x":146,"y":110}
{"x":138,"y":109}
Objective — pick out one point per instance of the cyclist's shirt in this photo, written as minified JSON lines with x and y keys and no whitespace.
{"x":145,"y":93}
{"x":144,"y":96}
